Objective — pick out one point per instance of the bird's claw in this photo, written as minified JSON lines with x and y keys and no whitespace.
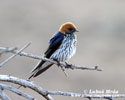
{"x":68,"y":65}
{"x":58,"y":63}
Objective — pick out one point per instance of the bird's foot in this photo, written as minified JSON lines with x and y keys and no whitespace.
{"x":58,"y":63}
{"x":68,"y":65}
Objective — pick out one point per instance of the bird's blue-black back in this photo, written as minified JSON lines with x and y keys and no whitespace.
{"x":55,"y":43}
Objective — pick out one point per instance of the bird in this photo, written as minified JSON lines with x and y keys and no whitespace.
{"x":62,"y":46}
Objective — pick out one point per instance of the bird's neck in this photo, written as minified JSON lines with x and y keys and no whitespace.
{"x":69,"y":34}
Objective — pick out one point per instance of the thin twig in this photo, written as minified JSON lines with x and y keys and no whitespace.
{"x":8,"y":49}
{"x":11,"y":57}
{"x":64,"y":71}
{"x":46,"y":93}
{"x":50,"y":60}
{"x":3,"y":96}
{"x":8,"y":87}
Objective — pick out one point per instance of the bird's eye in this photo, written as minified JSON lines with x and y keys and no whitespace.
{"x":70,"y":29}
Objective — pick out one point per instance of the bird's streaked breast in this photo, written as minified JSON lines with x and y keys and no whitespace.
{"x":67,"y":48}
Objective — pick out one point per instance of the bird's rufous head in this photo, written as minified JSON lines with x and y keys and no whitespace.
{"x":68,"y":28}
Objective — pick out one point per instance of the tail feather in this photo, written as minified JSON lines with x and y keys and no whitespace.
{"x":40,"y":68}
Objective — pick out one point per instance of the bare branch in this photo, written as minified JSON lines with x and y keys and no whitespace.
{"x":8,"y":87}
{"x":46,"y":93}
{"x":8,"y":49}
{"x":11,"y":57}
{"x":49,"y":60}
{"x":26,"y":83}
{"x":3,"y":96}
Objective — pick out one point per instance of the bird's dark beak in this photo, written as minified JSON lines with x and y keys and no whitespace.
{"x":76,"y":31}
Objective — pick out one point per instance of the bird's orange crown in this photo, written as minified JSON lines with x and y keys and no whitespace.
{"x":67,"y":27}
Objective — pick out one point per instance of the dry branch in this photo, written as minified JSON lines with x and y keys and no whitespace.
{"x":26,"y":83}
{"x":11,"y":57}
{"x":49,"y":60}
{"x":3,"y":96}
{"x":46,"y":93}
{"x":10,"y":88}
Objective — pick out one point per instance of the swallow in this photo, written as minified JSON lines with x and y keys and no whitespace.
{"x":62,"y":46}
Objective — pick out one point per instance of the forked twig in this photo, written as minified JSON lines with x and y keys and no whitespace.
{"x":11,"y":57}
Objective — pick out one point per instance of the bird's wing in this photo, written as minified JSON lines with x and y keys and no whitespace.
{"x":55,"y":43}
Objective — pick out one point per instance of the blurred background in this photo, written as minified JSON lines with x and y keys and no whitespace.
{"x":101,"y":41}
